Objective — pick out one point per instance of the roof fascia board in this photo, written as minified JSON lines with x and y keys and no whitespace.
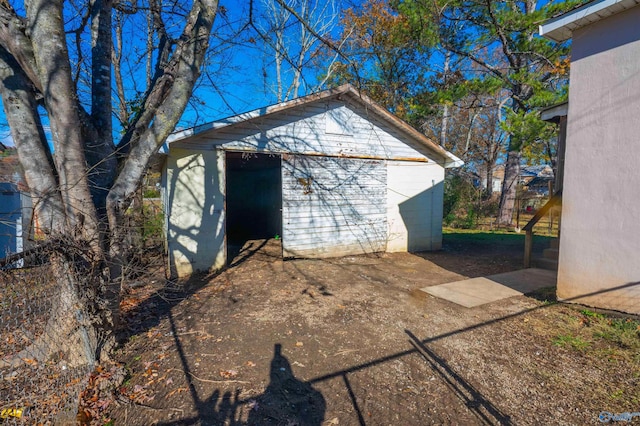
{"x":554,"y":112}
{"x":561,"y":28}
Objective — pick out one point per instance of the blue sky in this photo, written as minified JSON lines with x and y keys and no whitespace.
{"x":236,"y":80}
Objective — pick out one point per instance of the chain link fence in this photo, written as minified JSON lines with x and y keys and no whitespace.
{"x":41,"y":386}
{"x":33,"y":391}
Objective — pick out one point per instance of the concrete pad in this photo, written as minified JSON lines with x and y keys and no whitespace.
{"x":479,"y":291}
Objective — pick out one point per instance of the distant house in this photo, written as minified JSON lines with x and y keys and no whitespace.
{"x":329,"y":174}
{"x":600,"y":233}
{"x":535,"y":178}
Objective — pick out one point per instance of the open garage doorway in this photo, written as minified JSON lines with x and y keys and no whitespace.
{"x":253,"y":204}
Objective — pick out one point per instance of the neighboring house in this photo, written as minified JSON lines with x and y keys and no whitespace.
{"x":600,"y":232}
{"x":539,"y":175}
{"x":536,"y":179}
{"x":15,"y":220}
{"x":331,"y":174}
{"x":496,"y":180}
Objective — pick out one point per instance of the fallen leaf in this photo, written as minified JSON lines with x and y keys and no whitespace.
{"x":175,"y":391}
{"x":251,"y":364}
{"x":228,"y":374}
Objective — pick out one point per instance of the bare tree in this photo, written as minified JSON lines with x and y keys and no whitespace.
{"x":291,"y":34}
{"x":82,"y":190}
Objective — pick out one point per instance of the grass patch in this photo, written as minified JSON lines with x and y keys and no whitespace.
{"x":505,"y":240}
{"x":622,"y":332}
{"x":546,"y":295}
{"x":606,"y":336}
{"x":567,"y":340}
{"x":591,"y":314}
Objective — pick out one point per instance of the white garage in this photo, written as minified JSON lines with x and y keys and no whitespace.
{"x":330,"y":174}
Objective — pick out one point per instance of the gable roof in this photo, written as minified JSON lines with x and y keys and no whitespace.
{"x":561,"y":28}
{"x":416,"y":139}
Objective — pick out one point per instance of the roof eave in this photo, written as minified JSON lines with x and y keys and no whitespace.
{"x":555,"y":112}
{"x":561,"y":28}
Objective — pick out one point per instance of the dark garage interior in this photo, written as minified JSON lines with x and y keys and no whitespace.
{"x":253,"y":198}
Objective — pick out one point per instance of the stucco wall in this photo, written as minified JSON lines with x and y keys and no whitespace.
{"x":414,"y":206}
{"x":194,"y":200}
{"x":600,"y":238}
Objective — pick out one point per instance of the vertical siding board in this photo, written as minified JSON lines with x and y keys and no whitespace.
{"x":414,"y":206}
{"x":333,"y":206}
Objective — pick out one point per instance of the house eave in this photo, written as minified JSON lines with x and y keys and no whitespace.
{"x":561,"y":28}
{"x":555,"y":112}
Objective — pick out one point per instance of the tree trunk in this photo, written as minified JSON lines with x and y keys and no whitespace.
{"x":509,"y":188}
{"x":445,"y":111}
{"x":489,"y":179}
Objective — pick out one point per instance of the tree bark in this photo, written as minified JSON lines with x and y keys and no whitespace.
{"x":54,"y":71}
{"x":489,"y":180}
{"x":509,"y":187}
{"x":20,"y":108}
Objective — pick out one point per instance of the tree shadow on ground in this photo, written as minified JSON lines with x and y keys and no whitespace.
{"x":286,"y":400}
{"x":150,"y":310}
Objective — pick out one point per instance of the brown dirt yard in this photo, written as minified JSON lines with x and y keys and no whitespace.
{"x":347,"y":341}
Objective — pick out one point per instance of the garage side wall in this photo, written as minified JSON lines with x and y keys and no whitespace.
{"x":414,"y":206}
{"x":333,"y":206}
{"x":194,"y":203}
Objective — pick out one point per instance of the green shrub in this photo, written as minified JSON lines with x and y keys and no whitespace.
{"x":462,"y":206}
{"x":151,"y":193}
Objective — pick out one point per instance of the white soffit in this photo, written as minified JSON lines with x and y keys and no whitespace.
{"x":556,"y":111}
{"x":561,"y":28}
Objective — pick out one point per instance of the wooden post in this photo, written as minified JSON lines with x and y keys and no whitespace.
{"x":550,"y":186}
{"x":528,"y":248}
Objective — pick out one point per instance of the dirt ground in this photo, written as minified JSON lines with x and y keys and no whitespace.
{"x":348,"y":341}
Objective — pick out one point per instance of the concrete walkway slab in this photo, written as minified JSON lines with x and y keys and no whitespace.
{"x":479,"y":291}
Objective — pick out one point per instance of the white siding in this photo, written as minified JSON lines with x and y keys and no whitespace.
{"x":314,"y":129}
{"x":333,"y":206}
{"x":195,"y":210}
{"x":414,"y":206}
